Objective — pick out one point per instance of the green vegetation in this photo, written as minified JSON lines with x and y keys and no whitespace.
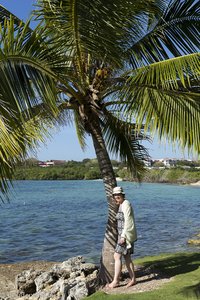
{"x":89,"y":169}
{"x":173,"y":175}
{"x":70,"y":170}
{"x":184,"y":267}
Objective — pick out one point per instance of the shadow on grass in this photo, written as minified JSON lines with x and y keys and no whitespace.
{"x":179,"y":264}
{"x":191,"y":291}
{"x":176,"y":264}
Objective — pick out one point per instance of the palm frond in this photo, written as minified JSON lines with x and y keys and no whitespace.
{"x":6,"y":14}
{"x":101,"y":28}
{"x":35,"y":48}
{"x":15,"y":143}
{"x":175,"y":33}
{"x":31,"y":70}
{"x":125,"y":142}
{"x":80,"y":131}
{"x":166,"y":98}
{"x":25,"y":81}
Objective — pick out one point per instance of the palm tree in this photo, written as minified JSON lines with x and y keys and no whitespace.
{"x":118,"y":69}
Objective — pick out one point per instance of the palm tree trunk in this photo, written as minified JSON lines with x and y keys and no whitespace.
{"x":107,"y":261}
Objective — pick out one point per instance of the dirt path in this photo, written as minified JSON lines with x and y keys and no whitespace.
{"x":148,"y":279}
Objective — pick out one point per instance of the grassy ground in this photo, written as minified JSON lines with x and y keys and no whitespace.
{"x":185,"y":267}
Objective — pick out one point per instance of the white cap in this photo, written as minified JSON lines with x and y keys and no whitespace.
{"x":118,"y":190}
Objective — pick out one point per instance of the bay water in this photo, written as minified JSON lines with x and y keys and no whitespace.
{"x":56,"y":220}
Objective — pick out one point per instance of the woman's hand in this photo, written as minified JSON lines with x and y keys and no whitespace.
{"x":122,"y":241}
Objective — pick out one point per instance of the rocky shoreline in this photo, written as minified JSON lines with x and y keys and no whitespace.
{"x":71,"y":279}
{"x":195,"y":240}
{"x":196,"y":183}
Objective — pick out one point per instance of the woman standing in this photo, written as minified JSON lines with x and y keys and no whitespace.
{"x":127,"y":235}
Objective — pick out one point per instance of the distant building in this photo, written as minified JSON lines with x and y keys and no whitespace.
{"x":42,"y":164}
{"x":50,"y":163}
{"x":168,"y":162}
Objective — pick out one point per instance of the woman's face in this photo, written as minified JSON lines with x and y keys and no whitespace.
{"x":119,"y":198}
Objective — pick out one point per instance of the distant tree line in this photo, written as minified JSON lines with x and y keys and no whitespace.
{"x":88,"y":169}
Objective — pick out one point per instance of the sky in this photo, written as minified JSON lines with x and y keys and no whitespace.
{"x":63,"y":143}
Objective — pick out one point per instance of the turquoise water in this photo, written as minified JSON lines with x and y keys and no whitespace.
{"x":55,"y":220}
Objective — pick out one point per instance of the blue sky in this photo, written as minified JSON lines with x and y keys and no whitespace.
{"x":64,"y":144}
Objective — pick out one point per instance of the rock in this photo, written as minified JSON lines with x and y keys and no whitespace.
{"x":25,"y":282}
{"x":195,"y":183}
{"x":195,"y":242}
{"x":65,"y":287}
{"x":87,"y":268}
{"x":78,"y":292}
{"x":68,"y":268}
{"x":45,"y":279}
{"x":71,"y":280}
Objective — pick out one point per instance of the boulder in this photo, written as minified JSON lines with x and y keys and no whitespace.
{"x":45,"y":279}
{"x":195,"y":242}
{"x":78,"y":292}
{"x":25,"y":282}
{"x":70,"y":280}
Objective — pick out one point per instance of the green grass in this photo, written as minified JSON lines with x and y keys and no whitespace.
{"x":185,"y":267}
